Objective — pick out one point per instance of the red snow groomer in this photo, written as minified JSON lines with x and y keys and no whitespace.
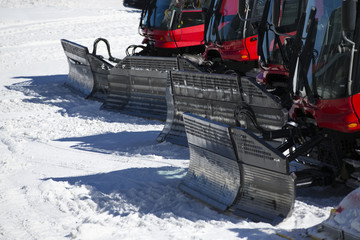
{"x":137,"y":84}
{"x":274,"y":60}
{"x":245,"y":169}
{"x":230,"y":51}
{"x":231,"y":33}
{"x":172,"y":27}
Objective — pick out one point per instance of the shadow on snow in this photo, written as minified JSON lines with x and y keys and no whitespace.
{"x":142,"y":190}
{"x":129,"y":143}
{"x":155,"y":191}
{"x":51,"y":90}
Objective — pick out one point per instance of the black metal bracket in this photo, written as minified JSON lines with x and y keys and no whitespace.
{"x":106,"y":42}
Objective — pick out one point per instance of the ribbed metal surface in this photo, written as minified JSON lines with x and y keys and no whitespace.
{"x":80,"y":77}
{"x":267,"y":108}
{"x":137,"y":92}
{"x":266,"y":196}
{"x":268,"y":191}
{"x":188,"y":66}
{"x":101,"y":71}
{"x":75,"y":51}
{"x":88,"y":73}
{"x":150,"y":63}
{"x":252,"y":150}
{"x":204,"y":133}
{"x":232,"y":169}
{"x":254,"y":94}
{"x":213,"y":96}
{"x":137,"y":86}
{"x":226,"y":84}
{"x":172,"y":131}
{"x":213,"y":176}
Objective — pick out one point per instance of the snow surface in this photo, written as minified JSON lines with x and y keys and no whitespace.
{"x":71,"y":171}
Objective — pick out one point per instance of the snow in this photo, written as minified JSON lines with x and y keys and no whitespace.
{"x":71,"y":171}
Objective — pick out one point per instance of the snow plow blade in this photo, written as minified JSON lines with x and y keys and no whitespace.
{"x":213,"y":96}
{"x":88,"y":73}
{"x":137,"y":85}
{"x":218,"y":97}
{"x":233,"y":170}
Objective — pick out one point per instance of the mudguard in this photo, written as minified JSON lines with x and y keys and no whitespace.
{"x":233,"y":170}
{"x":88,"y":73}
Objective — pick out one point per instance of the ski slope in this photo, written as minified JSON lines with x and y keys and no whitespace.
{"x":71,"y":171}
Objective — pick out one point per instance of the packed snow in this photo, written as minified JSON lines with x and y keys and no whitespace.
{"x":71,"y":171}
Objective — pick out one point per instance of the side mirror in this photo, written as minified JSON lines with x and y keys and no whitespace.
{"x":276,"y":12}
{"x":348,"y":15}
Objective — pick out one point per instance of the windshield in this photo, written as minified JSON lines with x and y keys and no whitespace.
{"x":154,"y":15}
{"x":225,"y":24}
{"x":158,"y":14}
{"x":254,"y":15}
{"x":272,"y":44}
{"x":326,"y":68}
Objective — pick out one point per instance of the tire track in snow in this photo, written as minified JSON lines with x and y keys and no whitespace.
{"x":59,"y":3}
{"x":63,"y":24}
{"x":24,"y":213}
{"x":39,"y":41}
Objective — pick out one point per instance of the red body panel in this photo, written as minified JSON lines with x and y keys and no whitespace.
{"x":184,"y":37}
{"x":335,"y":114}
{"x":251,"y":47}
{"x":235,"y":50}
